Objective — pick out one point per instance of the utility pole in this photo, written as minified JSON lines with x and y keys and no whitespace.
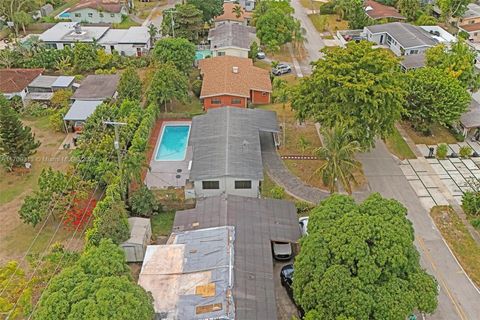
{"x":116,"y":146}
{"x":172,"y":11}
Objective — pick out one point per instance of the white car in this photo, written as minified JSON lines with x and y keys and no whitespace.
{"x":303,"y":222}
{"x":261,"y":55}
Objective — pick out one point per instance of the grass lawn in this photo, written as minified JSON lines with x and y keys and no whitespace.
{"x":140,"y":6}
{"x":459,"y":240}
{"x":440,"y":134}
{"x":126,"y":23}
{"x":268,"y":185}
{"x":189,"y":109}
{"x":398,"y":146}
{"x":311,"y":4}
{"x":64,"y":6}
{"x":16,"y":236}
{"x":328,"y":22}
{"x":162,"y":224}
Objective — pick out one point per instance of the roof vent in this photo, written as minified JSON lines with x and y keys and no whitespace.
{"x":235,"y":69}
{"x":78,"y":28}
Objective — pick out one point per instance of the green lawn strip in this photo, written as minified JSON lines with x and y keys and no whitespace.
{"x":162,"y":224}
{"x":459,"y":240}
{"x":398,"y":146}
{"x":126,"y":23}
{"x":64,"y":6}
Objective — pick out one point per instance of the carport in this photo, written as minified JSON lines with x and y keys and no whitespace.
{"x":80,"y":111}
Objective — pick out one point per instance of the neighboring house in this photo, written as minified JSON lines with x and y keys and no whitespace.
{"x":229,"y":16}
{"x":248,"y":5}
{"x":99,"y":11}
{"x":233,"y":81}
{"x":470,"y":22}
{"x":377,"y":11}
{"x":136,"y":245}
{"x":14,"y":82}
{"x":405,"y":39}
{"x":43,"y":87}
{"x":134,"y":41}
{"x":470,"y":120}
{"x":256,"y":223}
{"x":226,"y":148}
{"x":97,"y":87}
{"x":413,"y":61}
{"x":231,"y":39}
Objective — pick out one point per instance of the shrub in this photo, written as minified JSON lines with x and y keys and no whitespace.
{"x":328,"y":8}
{"x":61,"y":98}
{"x":36,"y":109}
{"x":471,"y":203}
{"x":475,"y":223}
{"x":277,"y":192}
{"x":465,"y":151}
{"x":56,"y":119}
{"x":197,"y":87}
{"x":143,"y":203}
{"x":442,"y":150}
{"x":303,"y":207}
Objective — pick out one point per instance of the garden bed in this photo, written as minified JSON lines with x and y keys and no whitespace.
{"x":464,"y":247}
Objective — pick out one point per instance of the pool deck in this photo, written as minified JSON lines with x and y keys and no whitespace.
{"x":166,"y":174}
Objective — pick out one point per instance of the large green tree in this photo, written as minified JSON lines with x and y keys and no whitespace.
{"x":358,"y":86}
{"x":434,"y":96}
{"x":17,"y":142}
{"x":188,"y":22}
{"x":85,"y":57}
{"x":275,"y":28}
{"x":458,"y":60}
{"x":168,"y":83}
{"x":452,"y":8}
{"x":338,"y":152}
{"x":358,"y":261}
{"x":129,"y":86}
{"x":97,"y":286}
{"x":210,"y":8}
{"x":16,"y":298}
{"x":177,"y":50}
{"x":409,"y":8}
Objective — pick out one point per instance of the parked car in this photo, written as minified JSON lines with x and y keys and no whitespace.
{"x":282,"y":250}
{"x":281,"y":68}
{"x":303,"y":222}
{"x":286,"y":279}
{"x":261,"y":55}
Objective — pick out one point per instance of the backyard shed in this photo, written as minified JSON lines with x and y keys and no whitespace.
{"x":80,"y":111}
{"x":140,"y":233}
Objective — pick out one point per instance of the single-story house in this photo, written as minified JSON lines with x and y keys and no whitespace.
{"x":413,"y":61}
{"x":248,"y":5}
{"x":43,"y":87}
{"x":99,"y":11}
{"x":226,"y":146}
{"x":233,"y":81}
{"x":469,"y":22}
{"x":97,"y":87}
{"x":191,"y":276}
{"x":231,"y":39}
{"x":377,"y":11}
{"x":14,"y":82}
{"x":229,"y":16}
{"x":134,"y":41}
{"x":257,"y":223}
{"x":404,"y":38}
{"x":78,"y":113}
{"x":140,"y":233}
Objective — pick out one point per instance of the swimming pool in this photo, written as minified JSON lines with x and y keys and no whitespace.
{"x":202,"y":54}
{"x":173,"y":143}
{"x":64,"y":15}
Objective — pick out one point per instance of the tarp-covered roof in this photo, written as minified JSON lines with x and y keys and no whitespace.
{"x":81,"y":110}
{"x":257,"y":222}
{"x":226,"y":142}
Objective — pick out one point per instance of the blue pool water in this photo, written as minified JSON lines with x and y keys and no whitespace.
{"x":64,"y":15}
{"x":173,"y":143}
{"x":202,"y":54}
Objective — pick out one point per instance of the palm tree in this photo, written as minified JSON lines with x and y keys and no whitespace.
{"x":338,"y":152}
{"x":152,"y":31}
{"x":238,"y":11}
{"x":298,"y":35}
{"x":281,"y":94}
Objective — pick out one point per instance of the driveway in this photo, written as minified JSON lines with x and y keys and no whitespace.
{"x":459,"y":297}
{"x":285,"y":307}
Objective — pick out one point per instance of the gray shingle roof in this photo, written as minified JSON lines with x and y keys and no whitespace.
{"x":257,"y":222}
{"x":51,"y":81}
{"x":473,"y":11}
{"x":471,"y":118}
{"x":81,"y":110}
{"x":231,"y":35}
{"x":413,"y":61}
{"x":407,"y":35}
{"x":226,"y":142}
{"x":97,"y":87}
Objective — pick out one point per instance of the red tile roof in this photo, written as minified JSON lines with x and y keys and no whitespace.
{"x":112,"y":6}
{"x":470,"y":27}
{"x":15,"y":80}
{"x":220,"y":78}
{"x":228,"y":14}
{"x":377,"y":10}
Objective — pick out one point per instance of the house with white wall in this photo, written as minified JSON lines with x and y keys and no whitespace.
{"x":134,"y":41}
{"x":99,"y":11}
{"x":14,"y":82}
{"x":231,"y":39}
{"x":226,"y":147}
{"x":405,"y":39}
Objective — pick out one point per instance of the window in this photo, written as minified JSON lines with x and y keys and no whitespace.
{"x":90,"y":15}
{"x":216,"y":101}
{"x":101,"y":15}
{"x":264,"y":93}
{"x":112,"y":48}
{"x":236,"y":101}
{"x":78,"y":15}
{"x":112,"y":15}
{"x":475,"y":34}
{"x":210,"y":185}
{"x":243,"y":184}
{"x":220,"y":53}
{"x":413,"y":51}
